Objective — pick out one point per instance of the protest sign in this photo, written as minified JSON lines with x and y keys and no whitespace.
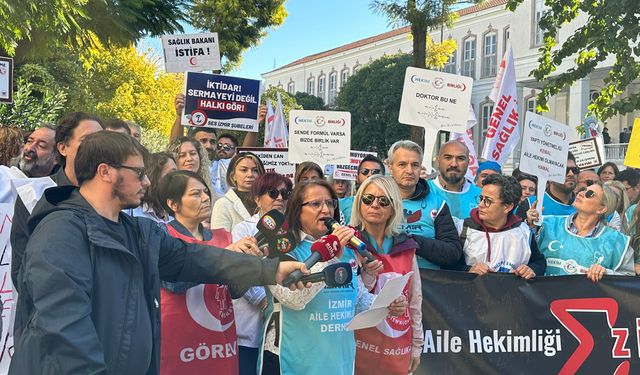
{"x":6,"y":80}
{"x":588,"y":153}
{"x":501,"y":324}
{"x":191,"y":52}
{"x":632,"y":158}
{"x":545,"y":145}
{"x":274,"y":160}
{"x":6,"y":287}
{"x":218,"y":101}
{"x":350,"y":171}
{"x":323,"y":137}
{"x":435,"y":100}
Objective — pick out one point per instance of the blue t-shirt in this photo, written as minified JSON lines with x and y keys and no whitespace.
{"x":460,"y":202}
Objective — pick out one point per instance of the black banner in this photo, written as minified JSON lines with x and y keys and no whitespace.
{"x":502,"y":324}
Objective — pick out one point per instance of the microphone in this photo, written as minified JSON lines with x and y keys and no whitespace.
{"x":334,"y":275}
{"x":269,"y":225}
{"x":282,"y":243}
{"x":321,"y":251}
{"x":357,"y":243}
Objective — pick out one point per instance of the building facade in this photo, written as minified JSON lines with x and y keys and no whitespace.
{"x":482,"y":33}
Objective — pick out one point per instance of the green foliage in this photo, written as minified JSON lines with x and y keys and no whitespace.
{"x":372,"y":95}
{"x":240,"y":24}
{"x":612,"y":29}
{"x":32,"y":105}
{"x":309,"y":102}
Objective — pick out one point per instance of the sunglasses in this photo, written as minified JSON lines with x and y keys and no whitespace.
{"x":225,"y":147}
{"x":383,"y":200}
{"x":274,"y":193}
{"x":140,"y":172}
{"x":575,"y":170}
{"x":366,"y":171}
{"x":587,"y":193}
{"x":589,"y":182}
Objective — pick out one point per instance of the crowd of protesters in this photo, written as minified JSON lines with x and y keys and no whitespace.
{"x":126,"y":247}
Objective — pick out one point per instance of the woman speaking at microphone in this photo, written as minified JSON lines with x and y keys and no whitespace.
{"x":378,"y":213}
{"x":270,"y":191}
{"x":198,"y":326}
{"x":306,"y":331}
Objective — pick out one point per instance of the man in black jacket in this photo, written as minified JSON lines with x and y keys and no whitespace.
{"x":90,"y":275}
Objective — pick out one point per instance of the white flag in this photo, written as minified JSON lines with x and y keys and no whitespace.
{"x":268,"y":125}
{"x":278,"y":134}
{"x":503,"y":132}
{"x":467,"y":139}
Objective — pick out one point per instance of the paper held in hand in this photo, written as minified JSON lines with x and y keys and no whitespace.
{"x":378,"y":310}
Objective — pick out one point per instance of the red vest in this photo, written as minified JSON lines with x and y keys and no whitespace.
{"x":386,"y":348}
{"x":198,"y":326}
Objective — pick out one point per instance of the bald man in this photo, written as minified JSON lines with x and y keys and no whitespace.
{"x":451,"y":184}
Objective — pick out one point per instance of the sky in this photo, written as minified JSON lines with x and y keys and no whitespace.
{"x":311,"y":26}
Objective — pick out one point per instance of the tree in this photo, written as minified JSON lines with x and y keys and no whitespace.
{"x":239,"y":24}
{"x":372,"y":95}
{"x":422,"y":16}
{"x":612,"y":29}
{"x":309,"y":102}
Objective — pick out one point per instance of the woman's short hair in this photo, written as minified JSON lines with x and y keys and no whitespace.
{"x":294,"y":205}
{"x":609,"y":164}
{"x":268,"y":181}
{"x":173,"y":186}
{"x":304,"y":167}
{"x":510,"y":189}
{"x":154,"y":166}
{"x":205,"y":163}
{"x":390,"y":188}
{"x":236,"y":159}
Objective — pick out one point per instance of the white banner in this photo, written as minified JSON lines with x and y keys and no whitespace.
{"x":323,"y":137}
{"x":276,"y":128}
{"x":350,"y":171}
{"x":545,"y":145}
{"x":435,"y":100}
{"x":274,"y":160}
{"x":191,"y":52}
{"x":503,"y":132}
{"x":467,"y":139}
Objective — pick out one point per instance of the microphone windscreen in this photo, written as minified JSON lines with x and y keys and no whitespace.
{"x":327,"y":246}
{"x":270,"y":222}
{"x":282,"y":243}
{"x":338,"y":274}
{"x":329,"y":222}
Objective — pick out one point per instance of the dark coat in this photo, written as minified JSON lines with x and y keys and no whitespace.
{"x":77,"y":285}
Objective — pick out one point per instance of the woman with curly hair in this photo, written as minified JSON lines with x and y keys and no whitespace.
{"x":11,"y":141}
{"x":191,"y":156}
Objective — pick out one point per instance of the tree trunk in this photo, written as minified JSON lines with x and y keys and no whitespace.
{"x":419,"y":61}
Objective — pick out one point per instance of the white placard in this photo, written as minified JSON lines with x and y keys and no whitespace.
{"x":545,"y":145}
{"x":191,"y":52}
{"x":435,"y":100}
{"x":350,"y":171}
{"x":6,"y":80}
{"x":274,"y":160}
{"x":588,"y":152}
{"x":323,"y":137}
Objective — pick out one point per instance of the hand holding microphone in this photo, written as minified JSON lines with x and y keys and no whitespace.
{"x":354,"y":241}
{"x":324,"y":249}
{"x":333,"y":275}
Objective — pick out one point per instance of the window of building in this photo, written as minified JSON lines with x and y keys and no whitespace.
{"x":531,"y":102}
{"x":333,"y":87}
{"x":489,"y":55}
{"x":291,"y":88}
{"x":469,"y":57}
{"x":356,"y":68}
{"x":486,"y":109}
{"x":344,"y":77}
{"x":538,"y":11}
{"x":450,"y":66}
{"x":311,"y":86}
{"x":321,"y":86}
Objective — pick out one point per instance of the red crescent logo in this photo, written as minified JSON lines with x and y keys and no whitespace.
{"x":193,"y":61}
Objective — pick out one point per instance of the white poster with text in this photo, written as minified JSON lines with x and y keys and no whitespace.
{"x":323,"y":137}
{"x":191,"y":52}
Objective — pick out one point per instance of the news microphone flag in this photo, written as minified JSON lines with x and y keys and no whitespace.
{"x":268,"y":124}
{"x":503,"y":132}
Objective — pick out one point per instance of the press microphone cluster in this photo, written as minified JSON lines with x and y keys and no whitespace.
{"x":272,"y":235}
{"x":355,"y":242}
{"x":324,"y":249}
{"x":333,"y":275}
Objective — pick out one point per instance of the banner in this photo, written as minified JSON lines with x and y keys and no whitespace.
{"x":274,"y":160}
{"x":502,"y":324}
{"x":276,"y":133}
{"x":218,"y":101}
{"x":435,"y":100}
{"x":632,"y":157}
{"x":323,"y":137}
{"x":589,"y":152}
{"x":191,"y":52}
{"x":467,"y":139}
{"x":503,"y":132}
{"x":350,"y":171}
{"x":6,"y":80}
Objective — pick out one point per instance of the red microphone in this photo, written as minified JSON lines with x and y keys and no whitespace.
{"x":324,"y":249}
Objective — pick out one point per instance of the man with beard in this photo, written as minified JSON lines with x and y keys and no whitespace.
{"x":451,"y":184}
{"x":38,"y":157}
{"x":91,"y":276}
{"x":558,"y":198}
{"x":207,"y":138}
{"x":225,"y":150}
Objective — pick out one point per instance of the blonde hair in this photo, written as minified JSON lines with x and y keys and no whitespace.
{"x":609,"y":200}
{"x":391,"y":190}
{"x":622,"y":202}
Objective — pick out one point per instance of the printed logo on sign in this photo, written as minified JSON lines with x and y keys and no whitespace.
{"x":533,"y":125}
{"x":438,"y":83}
{"x":302,"y":120}
{"x":319,"y":121}
{"x":269,"y":222}
{"x":340,"y":122}
{"x":547,"y":130}
{"x":415,"y":79}
{"x":198,"y":118}
{"x":193,"y":61}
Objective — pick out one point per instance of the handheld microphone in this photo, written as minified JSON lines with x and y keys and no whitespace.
{"x":322,"y":250}
{"x":360,"y":246}
{"x":268,"y":226}
{"x":282,"y":243}
{"x":333,"y":275}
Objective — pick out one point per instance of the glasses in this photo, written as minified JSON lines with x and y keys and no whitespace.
{"x":383,"y":200}
{"x":575,"y":170}
{"x":225,"y":147}
{"x":317,"y":205}
{"x":487,"y":201}
{"x":274,"y":193}
{"x":366,"y":171}
{"x":141,"y":172}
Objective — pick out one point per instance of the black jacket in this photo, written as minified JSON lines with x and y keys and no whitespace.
{"x":76,"y":285}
